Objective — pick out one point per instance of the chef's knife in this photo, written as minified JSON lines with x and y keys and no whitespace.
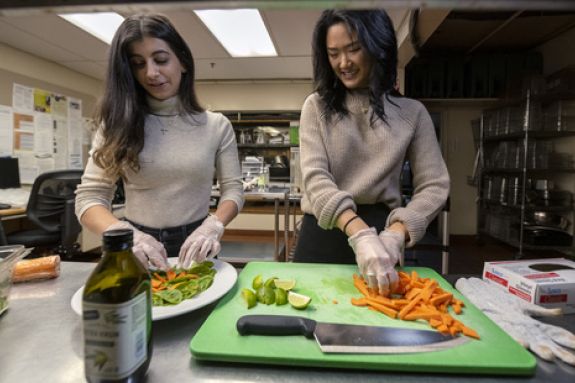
{"x":348,"y":338}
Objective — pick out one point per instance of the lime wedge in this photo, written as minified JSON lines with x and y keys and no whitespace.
{"x":286,"y":284}
{"x":298,"y":301}
{"x":266,"y":295}
{"x":257,"y":282}
{"x":249,"y":297}
{"x":270,"y":282}
{"x":281,"y":296}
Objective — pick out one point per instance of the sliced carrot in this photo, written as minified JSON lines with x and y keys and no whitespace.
{"x":359,"y":301}
{"x":159,"y":277}
{"x":441,"y":298}
{"x":384,"y":309}
{"x":416,"y":298}
{"x":170,"y":274}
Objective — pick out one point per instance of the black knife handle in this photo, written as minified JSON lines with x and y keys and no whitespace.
{"x":275,"y":325}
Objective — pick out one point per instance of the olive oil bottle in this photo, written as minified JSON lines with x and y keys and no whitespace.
{"x":117,"y":314}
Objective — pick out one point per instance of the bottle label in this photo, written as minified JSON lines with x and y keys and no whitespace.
{"x":115,"y":337}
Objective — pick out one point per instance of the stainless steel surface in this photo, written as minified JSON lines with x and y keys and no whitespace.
{"x":41,"y":341}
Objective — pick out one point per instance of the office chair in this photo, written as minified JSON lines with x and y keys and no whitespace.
{"x":51,"y":209}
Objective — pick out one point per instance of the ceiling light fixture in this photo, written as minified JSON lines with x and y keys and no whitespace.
{"x":102,"y":25}
{"x":242,"y":32}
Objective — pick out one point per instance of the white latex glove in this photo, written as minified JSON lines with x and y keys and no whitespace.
{"x":146,"y":248}
{"x":376,"y":260}
{"x":203,"y":242}
{"x":512,"y":314}
{"x":394,"y":243}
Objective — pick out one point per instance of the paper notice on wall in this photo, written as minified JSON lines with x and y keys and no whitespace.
{"x":60,"y":142}
{"x":42,"y":102}
{"x":75,"y":133}
{"x":44,"y":135}
{"x":6,"y":127}
{"x":59,"y":105}
{"x":23,"y":138}
{"x":23,"y":98}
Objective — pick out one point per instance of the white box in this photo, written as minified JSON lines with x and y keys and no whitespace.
{"x":546,"y":282}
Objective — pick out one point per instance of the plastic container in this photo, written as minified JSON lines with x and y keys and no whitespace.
{"x":9,"y":255}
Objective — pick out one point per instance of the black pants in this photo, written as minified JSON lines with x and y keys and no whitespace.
{"x":171,"y":237}
{"x":316,"y":245}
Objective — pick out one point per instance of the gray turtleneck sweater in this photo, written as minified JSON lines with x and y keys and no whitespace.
{"x":348,"y":161}
{"x":181,"y":154}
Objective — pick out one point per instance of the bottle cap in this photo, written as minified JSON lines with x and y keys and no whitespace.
{"x":117,"y":240}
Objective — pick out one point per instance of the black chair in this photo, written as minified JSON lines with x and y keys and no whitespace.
{"x":51,"y":209}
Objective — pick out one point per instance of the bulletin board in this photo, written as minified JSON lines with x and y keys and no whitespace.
{"x":44,"y":130}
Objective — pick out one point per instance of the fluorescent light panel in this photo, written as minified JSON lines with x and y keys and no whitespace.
{"x":102,"y":25}
{"x":241,"y":31}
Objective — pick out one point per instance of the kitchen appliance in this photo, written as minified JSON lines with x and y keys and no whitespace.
{"x":342,"y":338}
{"x":331,"y":288}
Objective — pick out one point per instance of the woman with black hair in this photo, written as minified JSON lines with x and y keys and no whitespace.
{"x":356,"y":131}
{"x":166,"y":148}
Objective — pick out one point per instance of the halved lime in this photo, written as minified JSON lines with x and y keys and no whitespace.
{"x":298,"y":301}
{"x":249,"y":297}
{"x":266,"y":295}
{"x":257,"y":282}
{"x":270,"y":282}
{"x":281,"y":296}
{"x":286,"y":284}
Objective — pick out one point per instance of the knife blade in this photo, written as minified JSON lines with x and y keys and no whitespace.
{"x":349,"y":338}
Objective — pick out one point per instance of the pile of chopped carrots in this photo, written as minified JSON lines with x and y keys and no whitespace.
{"x":416,"y":298}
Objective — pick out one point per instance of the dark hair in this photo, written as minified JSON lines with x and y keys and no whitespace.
{"x":376,"y":36}
{"x":124,"y":107}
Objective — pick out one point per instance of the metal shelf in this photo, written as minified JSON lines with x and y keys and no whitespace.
{"x":517,"y":213}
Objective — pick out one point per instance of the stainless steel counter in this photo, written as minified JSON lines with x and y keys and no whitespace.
{"x":41,"y":341}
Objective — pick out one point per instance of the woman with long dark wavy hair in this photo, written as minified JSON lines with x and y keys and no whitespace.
{"x":356,"y":131}
{"x":166,"y":148}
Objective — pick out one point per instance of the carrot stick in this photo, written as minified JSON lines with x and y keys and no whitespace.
{"x":384,"y":309}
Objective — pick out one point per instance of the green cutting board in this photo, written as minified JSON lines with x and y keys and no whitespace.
{"x":331,"y":288}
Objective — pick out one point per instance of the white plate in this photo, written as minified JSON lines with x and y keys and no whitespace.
{"x":224,"y":280}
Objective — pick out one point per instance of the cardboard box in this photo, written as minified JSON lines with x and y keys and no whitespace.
{"x":546,"y":282}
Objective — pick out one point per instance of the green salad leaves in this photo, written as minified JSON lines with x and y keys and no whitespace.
{"x":175,"y":285}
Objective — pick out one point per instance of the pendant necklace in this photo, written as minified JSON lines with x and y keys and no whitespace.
{"x":171,"y":122}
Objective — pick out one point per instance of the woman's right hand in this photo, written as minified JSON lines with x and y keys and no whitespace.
{"x":375,"y":262}
{"x":146,"y":248}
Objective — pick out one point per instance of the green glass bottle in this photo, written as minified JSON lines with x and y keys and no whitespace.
{"x":117,"y":314}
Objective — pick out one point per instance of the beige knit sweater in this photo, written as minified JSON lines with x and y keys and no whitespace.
{"x":177,"y":164}
{"x":349,"y":162}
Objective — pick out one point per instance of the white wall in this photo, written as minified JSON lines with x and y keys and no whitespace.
{"x":26,"y":69}
{"x":253,"y":96}
{"x":459,"y":154}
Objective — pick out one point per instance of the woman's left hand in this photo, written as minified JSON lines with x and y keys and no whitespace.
{"x":203,"y":242}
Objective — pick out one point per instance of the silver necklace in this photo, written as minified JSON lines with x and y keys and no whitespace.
{"x":171,"y":122}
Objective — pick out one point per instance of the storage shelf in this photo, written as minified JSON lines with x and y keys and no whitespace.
{"x":508,"y":221}
{"x":528,"y":171}
{"x":534,"y":134}
{"x":493,"y":206}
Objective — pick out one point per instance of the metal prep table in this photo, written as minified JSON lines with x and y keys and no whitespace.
{"x":41,"y":341}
